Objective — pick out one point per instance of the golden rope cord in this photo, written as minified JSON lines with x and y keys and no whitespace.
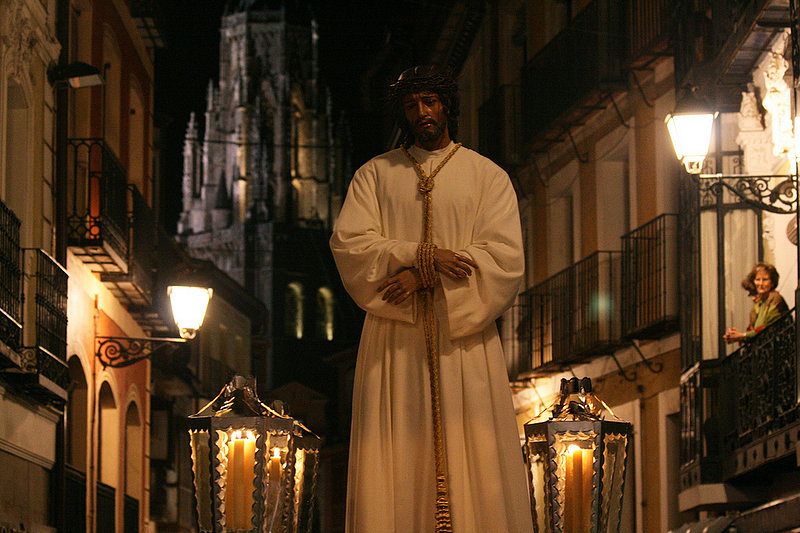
{"x":425,"y":254}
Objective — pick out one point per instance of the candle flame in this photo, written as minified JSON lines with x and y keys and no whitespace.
{"x":572,"y":448}
{"x":276,"y":453}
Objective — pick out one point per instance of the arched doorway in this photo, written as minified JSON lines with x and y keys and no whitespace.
{"x":107,"y":459}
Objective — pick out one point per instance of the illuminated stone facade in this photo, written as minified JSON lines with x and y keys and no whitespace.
{"x":262,"y":178}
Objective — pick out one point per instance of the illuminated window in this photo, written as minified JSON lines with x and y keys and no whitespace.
{"x":325,"y":313}
{"x":293,"y":310}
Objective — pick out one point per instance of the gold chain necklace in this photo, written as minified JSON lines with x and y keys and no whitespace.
{"x":425,"y":254}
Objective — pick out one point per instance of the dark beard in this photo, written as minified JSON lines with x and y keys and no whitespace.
{"x":428,"y":136}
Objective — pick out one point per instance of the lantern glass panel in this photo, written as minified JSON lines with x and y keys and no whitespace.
{"x":614,"y":456}
{"x":537,"y":462}
{"x":574,"y":468}
{"x":299,"y":475}
{"x":201,"y":460}
{"x":238,"y":460}
{"x":274,"y":468}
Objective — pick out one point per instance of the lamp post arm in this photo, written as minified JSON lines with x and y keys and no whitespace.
{"x":118,"y":352}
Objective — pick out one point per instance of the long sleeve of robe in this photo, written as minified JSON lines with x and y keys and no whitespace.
{"x":391,"y":479}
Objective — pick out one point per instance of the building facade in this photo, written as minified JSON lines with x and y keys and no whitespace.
{"x":263,"y":179}
{"x":633,"y":266}
{"x":33,"y":371}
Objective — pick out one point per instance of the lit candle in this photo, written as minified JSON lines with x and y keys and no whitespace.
{"x":239,"y":481}
{"x":275,"y":468}
{"x":578,"y":491}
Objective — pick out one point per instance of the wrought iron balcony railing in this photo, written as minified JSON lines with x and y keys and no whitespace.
{"x":649,"y":271}
{"x":649,"y":24}
{"x":46,"y":325}
{"x":575,"y":313}
{"x":10,"y":282}
{"x":575,"y":71}
{"x":499,"y":126}
{"x":761,"y":384}
{"x":97,"y":205}
{"x":135,"y":286}
{"x":700,"y":424}
{"x":740,"y":412}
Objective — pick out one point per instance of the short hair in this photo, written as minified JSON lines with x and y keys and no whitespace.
{"x":421,"y":78}
{"x":771,"y":271}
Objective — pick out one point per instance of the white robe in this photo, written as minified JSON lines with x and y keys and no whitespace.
{"x":391,"y":479}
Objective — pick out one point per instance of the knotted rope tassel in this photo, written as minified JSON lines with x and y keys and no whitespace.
{"x":427,"y":271}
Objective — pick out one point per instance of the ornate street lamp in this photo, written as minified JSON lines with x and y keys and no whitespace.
{"x":576,"y":463}
{"x":189,"y":305}
{"x":253,"y":471}
{"x":689,"y":129}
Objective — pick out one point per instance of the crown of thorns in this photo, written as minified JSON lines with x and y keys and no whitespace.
{"x":422,"y":78}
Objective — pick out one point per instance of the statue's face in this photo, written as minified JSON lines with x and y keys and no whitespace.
{"x":426,"y":115}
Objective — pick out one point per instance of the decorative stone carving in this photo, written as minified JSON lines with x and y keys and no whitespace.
{"x":754,"y":139}
{"x":769,"y":76}
{"x":19,"y":37}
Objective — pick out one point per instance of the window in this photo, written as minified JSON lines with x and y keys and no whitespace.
{"x":325,"y":309}
{"x":293,"y":310}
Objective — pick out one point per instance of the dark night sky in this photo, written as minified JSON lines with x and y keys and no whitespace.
{"x":350,"y":33}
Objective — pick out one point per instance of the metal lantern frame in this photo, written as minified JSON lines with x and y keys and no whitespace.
{"x":580,"y":424}
{"x":212,"y":432}
{"x":302,"y":472}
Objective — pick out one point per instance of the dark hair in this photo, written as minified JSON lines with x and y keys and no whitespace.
{"x":421,"y":78}
{"x":771,"y":271}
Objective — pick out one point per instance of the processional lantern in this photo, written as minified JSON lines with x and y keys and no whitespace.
{"x":576,"y":455}
{"x":244,"y":461}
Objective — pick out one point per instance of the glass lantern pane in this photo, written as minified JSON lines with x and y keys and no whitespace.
{"x":238,"y":477}
{"x":278,"y":448}
{"x":299,"y":488}
{"x":201,"y":464}
{"x":614,"y":457}
{"x":574,"y":470}
{"x":537,"y":464}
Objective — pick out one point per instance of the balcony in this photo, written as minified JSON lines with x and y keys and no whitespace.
{"x":97,"y":208}
{"x":649,"y":23}
{"x":741,"y":412}
{"x":499,"y":126}
{"x":722,"y":50}
{"x":650,"y":271}
{"x":700,"y":433}
{"x":134,"y":287}
{"x":45,"y":374}
{"x":575,"y":73}
{"x":761,"y":386}
{"x":10,"y":289}
{"x":574,"y":314}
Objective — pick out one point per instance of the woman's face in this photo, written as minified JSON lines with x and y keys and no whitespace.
{"x":763,"y":282}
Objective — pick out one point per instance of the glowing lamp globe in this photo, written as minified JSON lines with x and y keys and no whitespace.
{"x":690,"y":127}
{"x":189,"y":306}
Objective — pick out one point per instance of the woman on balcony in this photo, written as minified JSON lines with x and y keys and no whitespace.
{"x":768,"y":304}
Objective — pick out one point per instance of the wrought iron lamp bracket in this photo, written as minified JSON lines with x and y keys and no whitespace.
{"x":755,"y":190}
{"x":118,"y":352}
{"x":654,"y":367}
{"x":628,"y":377}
